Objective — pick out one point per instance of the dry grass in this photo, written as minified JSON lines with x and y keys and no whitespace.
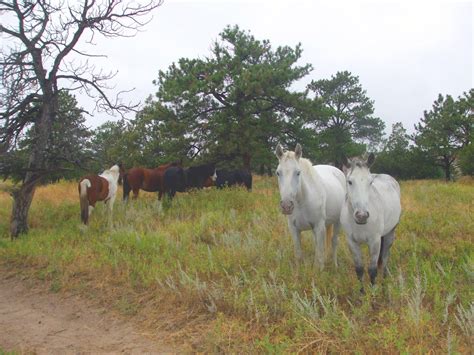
{"x":217,"y":269}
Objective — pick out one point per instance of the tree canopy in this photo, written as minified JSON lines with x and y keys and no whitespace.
{"x":234,"y":104}
{"x":343,"y":117}
{"x":444,"y":130}
{"x":69,"y":148}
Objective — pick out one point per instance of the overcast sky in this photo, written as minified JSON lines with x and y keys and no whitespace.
{"x":404,"y":53}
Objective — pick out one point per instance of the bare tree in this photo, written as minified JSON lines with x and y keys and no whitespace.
{"x":38,"y":58}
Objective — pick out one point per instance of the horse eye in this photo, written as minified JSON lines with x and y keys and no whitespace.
{"x":298,"y":173}
{"x":349,"y":182}
{"x":278,"y":173}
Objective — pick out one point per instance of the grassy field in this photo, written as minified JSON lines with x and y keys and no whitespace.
{"x":217,"y":270}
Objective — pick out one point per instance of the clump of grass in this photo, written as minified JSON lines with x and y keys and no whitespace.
{"x":415,"y":300}
{"x":465,"y":320}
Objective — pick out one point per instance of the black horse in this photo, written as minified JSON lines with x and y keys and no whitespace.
{"x":177,"y":179}
{"x":174,"y":180}
{"x":234,"y":177}
{"x":197,"y":175}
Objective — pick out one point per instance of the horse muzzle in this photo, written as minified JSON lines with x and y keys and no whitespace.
{"x":287,"y":207}
{"x":361,"y":217}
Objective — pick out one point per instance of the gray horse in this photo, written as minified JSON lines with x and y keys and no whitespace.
{"x":370,"y":214}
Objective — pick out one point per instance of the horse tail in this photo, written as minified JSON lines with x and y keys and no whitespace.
{"x":126,"y":186}
{"x":329,"y":232}
{"x":84,"y":202}
{"x":379,"y":261}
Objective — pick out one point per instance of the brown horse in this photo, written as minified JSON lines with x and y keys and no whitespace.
{"x":93,"y":188}
{"x":150,"y":180}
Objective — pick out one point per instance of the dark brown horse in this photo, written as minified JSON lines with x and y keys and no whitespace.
{"x":150,"y":180}
{"x":177,"y":179}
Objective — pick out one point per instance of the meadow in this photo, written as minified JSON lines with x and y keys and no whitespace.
{"x":217,"y":270}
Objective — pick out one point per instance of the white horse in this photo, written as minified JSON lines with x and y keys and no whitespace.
{"x":93,"y":188}
{"x":312,"y":198}
{"x":370,"y":214}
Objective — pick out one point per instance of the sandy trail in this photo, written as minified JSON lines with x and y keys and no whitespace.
{"x":33,"y":320}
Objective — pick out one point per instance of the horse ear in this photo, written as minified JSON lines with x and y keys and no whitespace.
{"x":298,"y":151}
{"x":345,"y":161}
{"x":279,"y":151}
{"x":370,"y":160}
{"x":346,"y":164}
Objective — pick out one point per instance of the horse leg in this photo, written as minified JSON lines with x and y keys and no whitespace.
{"x":374,"y":251}
{"x":335,"y":234}
{"x":135,"y":193}
{"x":385,"y":251}
{"x":110,"y":207}
{"x":91,"y":208}
{"x":319,"y":234}
{"x":296,"y":235}
{"x":357,"y":258}
{"x":126,"y":189}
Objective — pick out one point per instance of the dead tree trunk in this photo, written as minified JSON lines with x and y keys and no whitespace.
{"x":23,"y":196}
{"x":21,"y":206}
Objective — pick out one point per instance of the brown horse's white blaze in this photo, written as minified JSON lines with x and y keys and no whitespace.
{"x":93,"y":188}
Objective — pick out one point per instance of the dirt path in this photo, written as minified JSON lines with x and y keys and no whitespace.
{"x":33,"y":320}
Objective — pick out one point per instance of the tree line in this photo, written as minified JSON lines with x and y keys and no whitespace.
{"x":231,"y":107}
{"x":234,"y":107}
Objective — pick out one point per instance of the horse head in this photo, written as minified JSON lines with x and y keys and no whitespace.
{"x":289,"y":177}
{"x":115,"y":172}
{"x":359,"y":181}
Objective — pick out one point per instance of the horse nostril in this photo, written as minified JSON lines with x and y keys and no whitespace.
{"x":361,"y":217}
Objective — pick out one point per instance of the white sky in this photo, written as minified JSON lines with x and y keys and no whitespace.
{"x":404,"y":53}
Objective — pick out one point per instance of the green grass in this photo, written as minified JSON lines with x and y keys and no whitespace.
{"x":218,"y":266}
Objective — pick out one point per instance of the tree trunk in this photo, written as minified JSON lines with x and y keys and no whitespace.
{"x":23,"y":197}
{"x":21,"y":205}
{"x":447,"y":172}
{"x":246,"y":157}
{"x":447,"y":168}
